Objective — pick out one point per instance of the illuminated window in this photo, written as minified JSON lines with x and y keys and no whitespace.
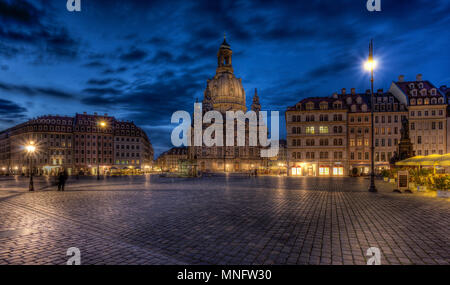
{"x":324,"y":171}
{"x":359,"y":142}
{"x":338,"y":171}
{"x":310,"y":130}
{"x":324,"y":129}
{"x":352,"y":142}
{"x":366,"y":142}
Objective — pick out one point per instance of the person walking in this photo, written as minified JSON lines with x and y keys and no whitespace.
{"x":62,"y":177}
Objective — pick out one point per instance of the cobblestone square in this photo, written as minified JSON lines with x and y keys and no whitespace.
{"x":219,"y":220}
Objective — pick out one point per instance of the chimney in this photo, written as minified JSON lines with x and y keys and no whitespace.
{"x":367,"y":91}
{"x":335,"y":95}
{"x":401,"y":78}
{"x":343,"y":91}
{"x":353,"y":91}
{"x":419,"y":77}
{"x":84,"y":113}
{"x":380,"y":91}
{"x":95,"y":113}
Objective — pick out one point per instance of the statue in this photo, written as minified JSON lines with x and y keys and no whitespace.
{"x":405,"y":129}
{"x":405,"y":147}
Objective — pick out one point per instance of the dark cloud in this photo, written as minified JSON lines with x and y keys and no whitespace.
{"x":34,"y":91}
{"x":20,"y":12}
{"x":94,"y":64}
{"x":114,"y":70}
{"x":106,"y":81}
{"x":10,"y":111}
{"x":133,"y":55}
{"x":24,"y":23}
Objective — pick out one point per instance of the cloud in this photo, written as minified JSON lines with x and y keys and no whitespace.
{"x":34,"y":91}
{"x":106,"y":81}
{"x":10,"y":111}
{"x":133,"y":55}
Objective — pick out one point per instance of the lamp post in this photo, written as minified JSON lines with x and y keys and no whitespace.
{"x":370,"y":66}
{"x":101,"y":124}
{"x":31,"y":148}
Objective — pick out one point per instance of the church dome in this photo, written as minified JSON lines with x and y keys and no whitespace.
{"x":224,"y":89}
{"x":226,"y":92}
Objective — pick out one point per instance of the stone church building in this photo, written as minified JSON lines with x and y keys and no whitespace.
{"x":224,"y":92}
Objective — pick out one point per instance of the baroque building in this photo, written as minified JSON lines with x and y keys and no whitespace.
{"x":225,"y":92}
{"x":83,"y":144}
{"x":171,"y":160}
{"x":316,"y":137}
{"x":317,"y":147}
{"x":427,"y":108}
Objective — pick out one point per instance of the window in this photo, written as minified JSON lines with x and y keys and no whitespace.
{"x":324,"y":129}
{"x":366,"y":142}
{"x":419,"y":140}
{"x":352,"y":142}
{"x":310,"y":130}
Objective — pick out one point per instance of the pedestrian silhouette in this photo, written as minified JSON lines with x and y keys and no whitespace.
{"x":62,"y":177}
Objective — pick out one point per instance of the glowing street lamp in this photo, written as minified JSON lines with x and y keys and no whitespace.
{"x":370,"y":65}
{"x":31,"y":148}
{"x":101,"y":124}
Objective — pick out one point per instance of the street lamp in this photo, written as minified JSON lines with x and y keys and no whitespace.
{"x":370,"y":65}
{"x":31,"y":148}
{"x":101,"y":124}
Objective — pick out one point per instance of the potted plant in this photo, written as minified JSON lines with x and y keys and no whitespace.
{"x":392,"y":174}
{"x":442,"y":185}
{"x":385,"y":175}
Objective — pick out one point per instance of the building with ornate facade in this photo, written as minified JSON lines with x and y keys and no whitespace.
{"x":225,"y":92}
{"x":81,"y":144}
{"x":427,"y":108}
{"x":171,"y":160}
{"x":314,"y":124}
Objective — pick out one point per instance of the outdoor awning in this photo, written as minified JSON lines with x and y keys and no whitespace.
{"x":429,"y":160}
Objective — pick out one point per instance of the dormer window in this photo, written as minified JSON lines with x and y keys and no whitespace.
{"x":433,"y":92}
{"x":434,"y":101}
{"x":419,"y":102}
{"x":420,"y":85}
{"x":353,"y":108}
{"x":441,"y":100}
{"x":411,"y":85}
{"x":427,"y":101}
{"x":349,"y":100}
{"x":359,"y":100}
{"x":364,"y":107}
{"x":423,"y":92}
{"x":323,"y":106}
{"x":310,"y":106}
{"x":414,"y":92}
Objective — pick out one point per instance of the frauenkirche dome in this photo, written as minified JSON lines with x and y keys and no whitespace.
{"x":225,"y":90}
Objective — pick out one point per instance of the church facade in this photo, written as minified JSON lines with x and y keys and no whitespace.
{"x":225,"y":92}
